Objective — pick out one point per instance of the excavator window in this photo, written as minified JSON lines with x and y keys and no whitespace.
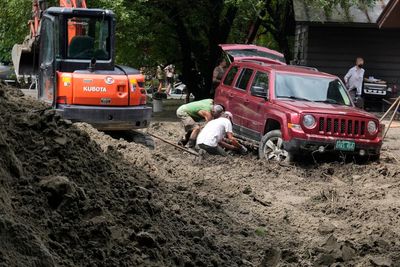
{"x":48,"y":43}
{"x":88,"y":38}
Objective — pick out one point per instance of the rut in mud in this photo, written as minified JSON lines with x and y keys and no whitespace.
{"x":326,"y":214}
{"x":71,"y":195}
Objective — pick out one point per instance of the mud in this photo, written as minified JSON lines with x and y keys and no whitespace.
{"x":73,"y":196}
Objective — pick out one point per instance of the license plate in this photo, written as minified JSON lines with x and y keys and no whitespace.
{"x":345,"y":145}
{"x":105,"y":101}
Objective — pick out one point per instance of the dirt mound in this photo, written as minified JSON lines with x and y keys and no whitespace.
{"x":71,"y":195}
{"x":66,"y":201}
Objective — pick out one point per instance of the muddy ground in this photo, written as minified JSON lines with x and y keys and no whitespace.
{"x":73,"y":196}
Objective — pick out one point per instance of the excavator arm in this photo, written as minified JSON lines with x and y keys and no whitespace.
{"x":73,"y":3}
{"x":25,"y":55}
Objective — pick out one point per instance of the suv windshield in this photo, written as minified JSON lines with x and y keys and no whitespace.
{"x":88,"y":38}
{"x":315,"y":89}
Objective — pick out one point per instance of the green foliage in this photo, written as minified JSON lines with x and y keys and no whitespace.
{"x":181,"y":32}
{"x":344,"y":3}
{"x":14,"y":18}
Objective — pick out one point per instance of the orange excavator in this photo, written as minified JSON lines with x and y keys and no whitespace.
{"x":70,"y":52}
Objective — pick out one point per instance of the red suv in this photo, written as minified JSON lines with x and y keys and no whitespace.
{"x":285,"y":110}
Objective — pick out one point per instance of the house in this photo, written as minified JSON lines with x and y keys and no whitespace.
{"x":331,"y":40}
{"x":390,"y":17}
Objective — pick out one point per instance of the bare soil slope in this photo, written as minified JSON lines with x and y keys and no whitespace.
{"x":73,"y":196}
{"x":66,"y":202}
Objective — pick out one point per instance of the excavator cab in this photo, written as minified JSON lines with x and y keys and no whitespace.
{"x":73,"y":40}
{"x":73,"y":61}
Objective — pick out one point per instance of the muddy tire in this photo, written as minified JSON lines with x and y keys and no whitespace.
{"x":367,"y":159}
{"x":375,"y":158}
{"x":271,"y":148}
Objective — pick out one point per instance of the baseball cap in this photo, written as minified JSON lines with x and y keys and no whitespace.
{"x":228,"y":115}
{"x":217,"y":109}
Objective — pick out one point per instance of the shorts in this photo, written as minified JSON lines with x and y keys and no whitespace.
{"x":217,"y":150}
{"x":170,"y":80}
{"x":188,"y":122}
{"x":358,"y":100}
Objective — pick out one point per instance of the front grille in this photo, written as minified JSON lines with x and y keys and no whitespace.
{"x":356,"y":126}
{"x":336,"y":125}
{"x":339,"y":126}
{"x":321,"y":124}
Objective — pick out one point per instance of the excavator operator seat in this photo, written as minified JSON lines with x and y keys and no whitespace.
{"x":81,"y":47}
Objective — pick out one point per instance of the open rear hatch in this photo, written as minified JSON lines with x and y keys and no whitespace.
{"x":237,"y":52}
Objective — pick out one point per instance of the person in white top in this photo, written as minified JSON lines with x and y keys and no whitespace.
{"x":354,"y":79}
{"x":169,"y":72}
{"x":217,"y":135}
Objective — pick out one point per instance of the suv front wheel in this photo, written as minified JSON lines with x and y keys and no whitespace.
{"x":271,"y":148}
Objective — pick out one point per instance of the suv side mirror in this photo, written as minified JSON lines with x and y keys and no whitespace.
{"x":259,"y":91}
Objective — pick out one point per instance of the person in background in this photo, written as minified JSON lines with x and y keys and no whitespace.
{"x":160,"y":78}
{"x":217,"y":136}
{"x":191,"y":114}
{"x":218,"y":73}
{"x":354,"y":81}
{"x":169,"y":72}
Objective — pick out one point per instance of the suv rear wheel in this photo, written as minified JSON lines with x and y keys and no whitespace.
{"x":271,"y":148}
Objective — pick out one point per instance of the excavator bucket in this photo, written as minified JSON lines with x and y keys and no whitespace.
{"x":25,"y":59}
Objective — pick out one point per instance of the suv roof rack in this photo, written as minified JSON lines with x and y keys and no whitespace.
{"x":255,"y":61}
{"x":305,"y":67}
{"x":261,"y":63}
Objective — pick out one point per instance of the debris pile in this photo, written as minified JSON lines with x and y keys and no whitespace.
{"x":71,"y":195}
{"x":63,"y":201}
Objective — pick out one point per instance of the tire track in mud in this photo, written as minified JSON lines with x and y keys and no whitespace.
{"x":308,"y":215}
{"x":73,"y":195}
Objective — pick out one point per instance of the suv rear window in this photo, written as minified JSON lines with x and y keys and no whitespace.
{"x":244,"y":79}
{"x":254,"y":53}
{"x":231,"y":76}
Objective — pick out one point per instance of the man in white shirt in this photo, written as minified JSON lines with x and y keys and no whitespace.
{"x":212,"y":137}
{"x":169,"y":72}
{"x":354,"y":79}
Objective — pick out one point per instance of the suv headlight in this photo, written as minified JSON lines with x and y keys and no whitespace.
{"x":372,"y":128}
{"x":309,"y":121}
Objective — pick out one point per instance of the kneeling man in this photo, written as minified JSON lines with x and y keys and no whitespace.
{"x":217,"y":136}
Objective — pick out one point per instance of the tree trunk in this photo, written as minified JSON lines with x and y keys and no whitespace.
{"x":219,"y":34}
{"x":186,"y":51}
{"x":255,"y":26}
{"x":280,"y":23}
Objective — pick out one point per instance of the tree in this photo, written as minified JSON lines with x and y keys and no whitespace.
{"x":181,"y":32}
{"x":198,"y":28}
{"x":277,"y":18}
{"x":14,"y":18}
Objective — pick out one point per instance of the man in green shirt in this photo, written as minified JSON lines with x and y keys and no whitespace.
{"x":192,"y":113}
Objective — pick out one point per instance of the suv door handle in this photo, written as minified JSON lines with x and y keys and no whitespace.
{"x":230,"y":95}
{"x":246,"y":101}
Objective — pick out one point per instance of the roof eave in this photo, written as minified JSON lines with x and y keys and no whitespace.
{"x":388,"y":13}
